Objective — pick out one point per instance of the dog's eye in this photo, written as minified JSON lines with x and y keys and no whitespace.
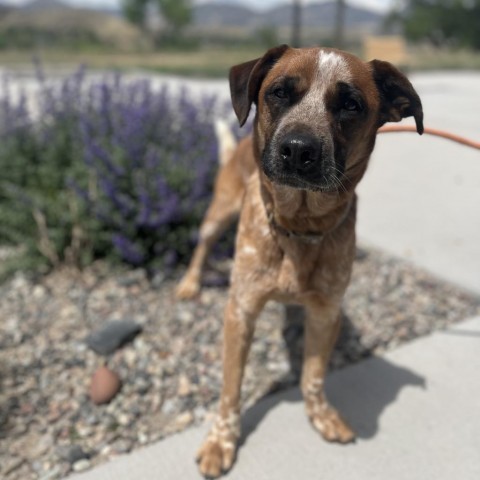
{"x":351,"y":105}
{"x":280,"y":93}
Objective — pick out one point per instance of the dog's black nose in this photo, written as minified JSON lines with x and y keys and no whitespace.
{"x":300,"y":152}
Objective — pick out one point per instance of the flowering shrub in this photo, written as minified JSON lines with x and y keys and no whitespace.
{"x":36,"y":155}
{"x":106,"y":168}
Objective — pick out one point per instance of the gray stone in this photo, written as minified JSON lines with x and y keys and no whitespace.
{"x":12,"y":464}
{"x":112,"y":336}
{"x":131,"y":278}
{"x":73,"y":453}
{"x":54,"y":473}
{"x":81,"y":465}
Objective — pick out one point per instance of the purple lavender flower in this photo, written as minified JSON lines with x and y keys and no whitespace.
{"x":140,"y":160}
{"x":127,"y":249}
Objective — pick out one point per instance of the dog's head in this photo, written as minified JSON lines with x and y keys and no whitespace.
{"x":318,"y":111}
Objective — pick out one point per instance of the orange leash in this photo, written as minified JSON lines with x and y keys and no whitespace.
{"x":431,"y":131}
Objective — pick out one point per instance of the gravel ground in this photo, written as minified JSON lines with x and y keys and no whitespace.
{"x":171,"y":371}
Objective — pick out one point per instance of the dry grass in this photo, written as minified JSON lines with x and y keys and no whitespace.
{"x":211,"y":62}
{"x":62,"y":22}
{"x":428,"y":58}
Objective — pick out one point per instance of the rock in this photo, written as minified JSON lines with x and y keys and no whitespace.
{"x":142,"y":383}
{"x":112,"y":336}
{"x":12,"y":464}
{"x":81,"y":465}
{"x":124,"y":419}
{"x":130,"y":356}
{"x":84,"y":430}
{"x":199,"y":413}
{"x":122,"y":446}
{"x":132,"y":278}
{"x":158,"y":280}
{"x":183,"y":420}
{"x":104,"y":386}
{"x":73,"y":453}
{"x":50,"y":475}
{"x":169,"y":406}
{"x":184,"y":386}
{"x":42,"y":445}
{"x":38,"y":292}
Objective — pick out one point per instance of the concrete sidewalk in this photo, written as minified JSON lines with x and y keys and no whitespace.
{"x":420,"y":197}
{"x":416,"y":412}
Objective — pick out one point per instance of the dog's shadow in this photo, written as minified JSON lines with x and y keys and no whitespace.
{"x":361,"y":393}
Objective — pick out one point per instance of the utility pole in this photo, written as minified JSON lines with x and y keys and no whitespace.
{"x":296,"y":23}
{"x":339,"y":34}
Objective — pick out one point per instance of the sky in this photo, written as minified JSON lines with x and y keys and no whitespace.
{"x":378,"y":5}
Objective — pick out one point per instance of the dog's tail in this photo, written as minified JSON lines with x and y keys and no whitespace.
{"x":226,"y":141}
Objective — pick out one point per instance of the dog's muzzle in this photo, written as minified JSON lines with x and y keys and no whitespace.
{"x":300,"y":160}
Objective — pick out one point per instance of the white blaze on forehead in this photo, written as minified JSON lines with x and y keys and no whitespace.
{"x":332,"y":67}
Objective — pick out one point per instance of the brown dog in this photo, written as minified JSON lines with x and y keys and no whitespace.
{"x":318,"y":111}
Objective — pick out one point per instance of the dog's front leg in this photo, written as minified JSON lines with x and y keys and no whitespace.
{"x":322,"y":325}
{"x":217,"y":453}
{"x":219,"y":217}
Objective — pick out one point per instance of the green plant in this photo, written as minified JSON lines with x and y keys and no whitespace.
{"x":105,"y":169}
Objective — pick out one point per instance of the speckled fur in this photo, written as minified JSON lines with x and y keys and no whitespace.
{"x":269,"y":265}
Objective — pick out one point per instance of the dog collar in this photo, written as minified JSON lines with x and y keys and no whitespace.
{"x":311,"y":238}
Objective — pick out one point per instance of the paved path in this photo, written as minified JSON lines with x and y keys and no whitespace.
{"x":416,"y":412}
{"x":420,"y":198}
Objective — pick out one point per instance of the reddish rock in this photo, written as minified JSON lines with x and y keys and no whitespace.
{"x":104,"y":386}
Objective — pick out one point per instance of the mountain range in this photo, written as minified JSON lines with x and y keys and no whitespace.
{"x":230,"y":13}
{"x":221,"y":13}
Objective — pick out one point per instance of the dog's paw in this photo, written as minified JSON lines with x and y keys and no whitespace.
{"x":331,"y":425}
{"x":215,"y":457}
{"x":187,"y":289}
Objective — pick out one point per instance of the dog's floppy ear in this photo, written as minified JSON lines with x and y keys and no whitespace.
{"x":246,"y":79}
{"x":397,"y":95}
